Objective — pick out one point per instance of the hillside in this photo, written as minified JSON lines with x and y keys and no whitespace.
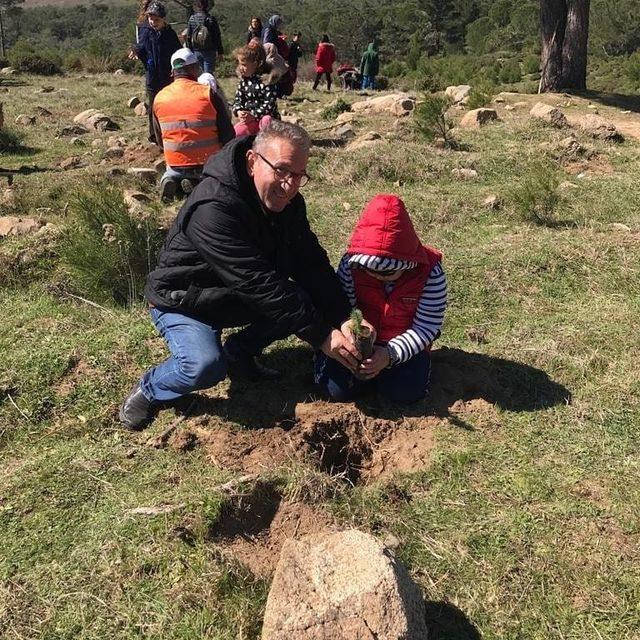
{"x":511,"y":493}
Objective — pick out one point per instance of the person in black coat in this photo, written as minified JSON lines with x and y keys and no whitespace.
{"x":241,"y":253}
{"x":254,"y":30}
{"x":157,"y":42}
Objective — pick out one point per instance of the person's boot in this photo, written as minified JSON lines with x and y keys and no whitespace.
{"x":136,"y":411}
{"x":167,"y":189}
{"x":249,"y":368}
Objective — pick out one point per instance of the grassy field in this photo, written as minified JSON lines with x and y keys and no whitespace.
{"x":522,"y":520}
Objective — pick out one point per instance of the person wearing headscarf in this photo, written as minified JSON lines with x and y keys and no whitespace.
{"x":369,"y":66}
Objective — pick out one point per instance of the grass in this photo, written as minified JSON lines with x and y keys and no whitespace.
{"x":524,"y":524}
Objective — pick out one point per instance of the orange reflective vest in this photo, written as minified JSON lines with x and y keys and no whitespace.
{"x":188,"y":123}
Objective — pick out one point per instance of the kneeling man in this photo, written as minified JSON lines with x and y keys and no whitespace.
{"x":241,"y":254}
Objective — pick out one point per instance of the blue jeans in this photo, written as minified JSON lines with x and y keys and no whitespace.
{"x":197,"y":360}
{"x":207,"y":60}
{"x":402,"y":384}
{"x":368,"y":82}
{"x":178,"y":173}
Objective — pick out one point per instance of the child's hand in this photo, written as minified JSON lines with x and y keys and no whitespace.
{"x":371,"y":367}
{"x":244,"y":116}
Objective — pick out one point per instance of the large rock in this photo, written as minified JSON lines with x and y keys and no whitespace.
{"x":345,"y":117}
{"x":345,"y":132}
{"x":8,"y":71}
{"x":458,"y":93}
{"x":12,"y":226}
{"x":598,"y":127}
{"x":25,"y":121}
{"x":398,"y":104}
{"x":342,"y":586}
{"x":114,"y":152}
{"x":141,"y":109}
{"x":477,"y":117}
{"x":69,"y":163}
{"x":549,"y":114}
{"x":144,"y":174}
{"x":136,"y":201}
{"x":94,"y":119}
{"x":72,"y":130}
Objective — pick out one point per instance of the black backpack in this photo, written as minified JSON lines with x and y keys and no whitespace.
{"x":202,"y":37}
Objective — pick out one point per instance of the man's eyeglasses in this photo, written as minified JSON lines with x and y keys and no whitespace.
{"x":284,"y":175}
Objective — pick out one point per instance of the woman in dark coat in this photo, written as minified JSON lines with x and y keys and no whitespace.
{"x":255,"y":29}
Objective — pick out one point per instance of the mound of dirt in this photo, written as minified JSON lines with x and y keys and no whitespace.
{"x":254,"y":526}
{"x":336,"y":438}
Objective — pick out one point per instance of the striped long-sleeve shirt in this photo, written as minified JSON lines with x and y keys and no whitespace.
{"x":429,"y":316}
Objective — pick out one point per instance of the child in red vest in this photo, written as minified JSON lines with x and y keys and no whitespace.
{"x":400,"y":287}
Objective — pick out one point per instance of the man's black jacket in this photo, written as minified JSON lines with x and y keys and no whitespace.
{"x":239,"y":264}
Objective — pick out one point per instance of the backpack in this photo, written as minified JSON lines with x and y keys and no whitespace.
{"x":202,"y":37}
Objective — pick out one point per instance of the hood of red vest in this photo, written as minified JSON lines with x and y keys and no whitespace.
{"x":385,"y":229}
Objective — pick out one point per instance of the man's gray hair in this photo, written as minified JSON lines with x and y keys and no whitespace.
{"x":277,"y":129}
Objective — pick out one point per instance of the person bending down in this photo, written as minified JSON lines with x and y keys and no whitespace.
{"x":399,"y":285}
{"x":256,"y":101}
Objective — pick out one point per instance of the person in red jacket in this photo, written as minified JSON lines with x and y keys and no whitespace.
{"x":399,"y":286}
{"x":325,"y":57}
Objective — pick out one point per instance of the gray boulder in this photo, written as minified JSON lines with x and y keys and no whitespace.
{"x":550,"y":115}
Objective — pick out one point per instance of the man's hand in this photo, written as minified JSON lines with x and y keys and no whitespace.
{"x":341,"y":348}
{"x":372,"y":366}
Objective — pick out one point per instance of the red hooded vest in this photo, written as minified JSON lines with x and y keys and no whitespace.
{"x":384,"y":229}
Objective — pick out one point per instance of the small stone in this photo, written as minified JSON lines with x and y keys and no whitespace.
{"x":567,"y":185}
{"x":619,"y":226}
{"x":95,"y":119}
{"x":491,"y":202}
{"x":478,"y":117}
{"x":8,"y":71}
{"x":598,"y":127}
{"x":549,"y":114}
{"x":440,"y":143}
{"x":25,"y":120}
{"x":47,"y":89}
{"x":136,"y":200}
{"x":292,"y":119}
{"x":69,"y":163}
{"x":96,"y":143}
{"x":73,"y":130}
{"x":113,"y":172}
{"x":465,"y":174}
{"x":143,"y":173}
{"x":141,"y":109}
{"x":8,"y":198}
{"x":43,"y":111}
{"x":118,"y":72}
{"x":509,"y":107}
{"x":114,"y":152}
{"x":133,"y":102}
{"x":78,"y":142}
{"x":12,"y":226}
{"x":345,"y":132}
{"x":346,"y":206}
{"x":345,"y":117}
{"x":116,"y":141}
{"x":458,"y":93}
{"x":499,"y":99}
{"x":371,"y":135}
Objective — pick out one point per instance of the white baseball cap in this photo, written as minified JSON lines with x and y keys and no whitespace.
{"x":210,"y":79}
{"x":183,"y":58}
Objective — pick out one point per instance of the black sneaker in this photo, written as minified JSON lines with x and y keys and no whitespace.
{"x":136,"y":411}
{"x":167,"y":189}
{"x":249,"y":368}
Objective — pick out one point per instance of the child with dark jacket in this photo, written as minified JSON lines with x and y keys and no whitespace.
{"x":399,"y":286}
{"x":256,"y":101}
{"x":157,"y":42}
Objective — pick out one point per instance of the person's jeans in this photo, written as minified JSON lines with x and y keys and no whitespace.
{"x":402,"y":384}
{"x":251,"y":126}
{"x":197,"y":360}
{"x":151,"y":96}
{"x":179,"y":173}
{"x":368,"y":82}
{"x":207,"y":60}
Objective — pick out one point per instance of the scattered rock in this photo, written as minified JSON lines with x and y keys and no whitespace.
{"x":491,"y":202}
{"x":118,"y":72}
{"x":116,"y":141}
{"x":47,"y":89}
{"x":499,"y":99}
{"x":509,"y":107}
{"x":342,"y":586}
{"x":73,"y":130}
{"x":477,"y":334}
{"x":364,"y":143}
{"x":141,"y":109}
{"x":25,"y":121}
{"x":618,"y":226}
{"x":567,"y":185}
{"x":345,"y":132}
{"x":12,"y":226}
{"x":571,"y":144}
{"x":477,"y":117}
{"x":440,"y":143}
{"x":69,"y":163}
{"x":345,"y":117}
{"x":43,"y":111}
{"x":398,"y":104}
{"x":346,"y":206}
{"x":133,"y":102}
{"x":8,"y":198}
{"x":8,"y":71}
{"x":598,"y":127}
{"x":549,"y":114}
{"x":78,"y":142}
{"x":114,"y":152}
{"x":113,"y":172}
{"x":292,"y":119}
{"x":371,"y":135}
{"x":96,"y":143}
{"x":94,"y":119}
{"x":136,"y":200}
{"x":465,"y":174}
{"x":143,"y":173}
{"x":160,"y":166}
{"x":458,"y":93}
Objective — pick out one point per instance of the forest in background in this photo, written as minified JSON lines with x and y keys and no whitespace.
{"x":428,"y":43}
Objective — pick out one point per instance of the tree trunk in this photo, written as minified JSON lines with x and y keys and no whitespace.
{"x":2,"y":42}
{"x":565,"y":30}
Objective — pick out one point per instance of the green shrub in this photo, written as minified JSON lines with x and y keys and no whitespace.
{"x":24,"y":57}
{"x":510,"y":72}
{"x":431,"y":119}
{"x":107,"y":252}
{"x":11,"y":140}
{"x":632,"y":68}
{"x":480,"y":96}
{"x":536,"y":197}
{"x":335,"y":109}
{"x":382,"y":82}
{"x":394,"y":69}
{"x":531,"y":63}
